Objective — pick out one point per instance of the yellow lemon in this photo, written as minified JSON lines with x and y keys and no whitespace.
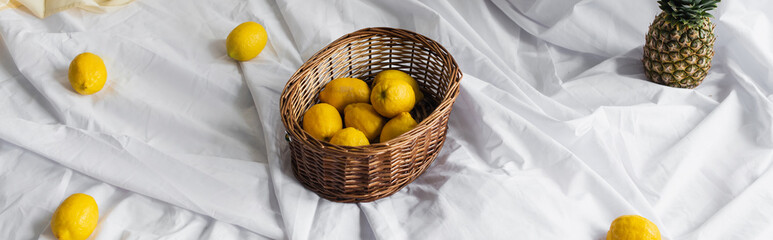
{"x":349,"y":137}
{"x":397,"y":125}
{"x":633,"y":227}
{"x":87,"y":73}
{"x":391,"y":97}
{"x":344,"y":91}
{"x":322,"y":121}
{"x":75,"y":218}
{"x":402,"y":76}
{"x":363,"y":117}
{"x":246,"y":41}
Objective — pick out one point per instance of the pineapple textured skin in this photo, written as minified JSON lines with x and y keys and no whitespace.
{"x":676,"y":54}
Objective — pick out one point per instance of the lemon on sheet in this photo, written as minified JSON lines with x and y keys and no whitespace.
{"x":87,"y":73}
{"x":633,"y":227}
{"x":246,"y":41}
{"x":75,"y":218}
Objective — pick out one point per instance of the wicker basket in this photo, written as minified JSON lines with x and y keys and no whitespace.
{"x":367,"y":173}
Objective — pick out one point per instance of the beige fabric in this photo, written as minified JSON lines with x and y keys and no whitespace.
{"x":44,"y":8}
{"x":7,"y":4}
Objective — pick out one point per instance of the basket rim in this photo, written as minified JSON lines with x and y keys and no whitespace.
{"x":367,"y":150}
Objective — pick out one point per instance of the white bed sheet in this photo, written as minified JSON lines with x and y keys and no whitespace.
{"x":556,"y":132}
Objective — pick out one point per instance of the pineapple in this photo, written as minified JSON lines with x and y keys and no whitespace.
{"x":680,"y":43}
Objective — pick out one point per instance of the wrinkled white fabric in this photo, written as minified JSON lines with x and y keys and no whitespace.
{"x":556,"y":132}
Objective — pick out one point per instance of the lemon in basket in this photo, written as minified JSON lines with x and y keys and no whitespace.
{"x":87,"y":73}
{"x":397,"y":125}
{"x":349,"y":137}
{"x":75,"y":218}
{"x":394,"y":74}
{"x":633,"y":227}
{"x":344,"y":91}
{"x":246,"y":41}
{"x":391,"y":97}
{"x":322,"y":121}
{"x":363,"y":117}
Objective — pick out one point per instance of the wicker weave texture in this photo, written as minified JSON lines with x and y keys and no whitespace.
{"x":367,"y":173}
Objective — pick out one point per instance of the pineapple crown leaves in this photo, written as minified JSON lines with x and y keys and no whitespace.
{"x":688,"y":12}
